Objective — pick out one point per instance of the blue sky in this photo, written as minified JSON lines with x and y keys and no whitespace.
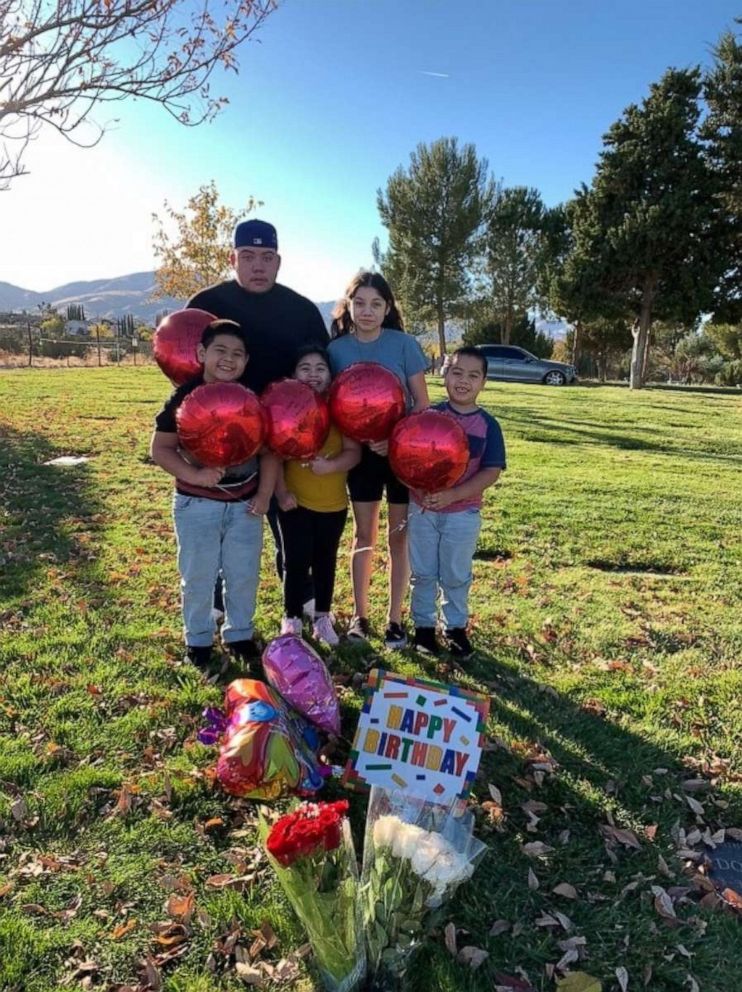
{"x":330,"y":101}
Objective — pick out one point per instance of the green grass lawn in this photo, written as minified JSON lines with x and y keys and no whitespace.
{"x":606,"y":613}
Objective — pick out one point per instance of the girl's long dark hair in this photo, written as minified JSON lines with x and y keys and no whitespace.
{"x":341,"y":321}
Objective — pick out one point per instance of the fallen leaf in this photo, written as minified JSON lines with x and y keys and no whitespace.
{"x":626,"y":837}
{"x":473,"y":956}
{"x":533,"y":882}
{"x":566,"y":890}
{"x":498,"y":927}
{"x":496,"y":794}
{"x":536,"y":849}
{"x":249,"y":974}
{"x":181,"y":907}
{"x":623,"y":978}
{"x":123,"y":928}
{"x":663,"y":905}
{"x":569,"y":957}
{"x":450,"y":938}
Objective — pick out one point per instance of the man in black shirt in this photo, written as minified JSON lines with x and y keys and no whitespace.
{"x":276,"y":322}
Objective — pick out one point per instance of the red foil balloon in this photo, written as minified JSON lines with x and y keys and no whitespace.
{"x":221,"y":424}
{"x":297,"y":419}
{"x":429,"y":451}
{"x":295,"y":670}
{"x":366,"y":401}
{"x":175,"y":342}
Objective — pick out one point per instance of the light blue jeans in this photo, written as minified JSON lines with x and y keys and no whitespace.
{"x":442,"y":547}
{"x":215,"y":536}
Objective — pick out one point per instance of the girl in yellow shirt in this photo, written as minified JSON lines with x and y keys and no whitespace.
{"x":313,"y":506}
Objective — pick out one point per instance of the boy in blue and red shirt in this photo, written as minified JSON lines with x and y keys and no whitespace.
{"x":444,"y":526}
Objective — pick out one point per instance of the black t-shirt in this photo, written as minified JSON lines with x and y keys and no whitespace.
{"x":276,"y":325}
{"x":237,"y":482}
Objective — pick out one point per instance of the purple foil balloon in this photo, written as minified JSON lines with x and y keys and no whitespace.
{"x":298,"y":673}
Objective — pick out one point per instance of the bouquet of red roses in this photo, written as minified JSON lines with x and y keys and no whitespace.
{"x":311,"y":851}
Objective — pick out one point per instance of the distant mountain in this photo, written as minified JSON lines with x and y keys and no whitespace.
{"x":131,"y":294}
{"x":111,"y":298}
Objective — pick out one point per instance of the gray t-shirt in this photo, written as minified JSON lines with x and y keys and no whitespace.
{"x":395,"y":350}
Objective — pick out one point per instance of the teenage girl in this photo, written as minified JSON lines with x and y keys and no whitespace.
{"x":367,"y":327}
{"x":313,"y":507}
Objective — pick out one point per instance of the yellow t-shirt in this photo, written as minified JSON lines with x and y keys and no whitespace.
{"x":321,"y":493}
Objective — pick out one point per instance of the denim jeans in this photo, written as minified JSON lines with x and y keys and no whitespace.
{"x":442,"y":547}
{"x":214,"y":535}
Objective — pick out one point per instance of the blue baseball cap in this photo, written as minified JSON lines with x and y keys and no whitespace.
{"x":255,"y":234}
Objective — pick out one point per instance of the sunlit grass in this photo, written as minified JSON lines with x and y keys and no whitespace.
{"x":605,"y":611}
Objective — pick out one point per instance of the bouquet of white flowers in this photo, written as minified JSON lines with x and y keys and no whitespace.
{"x":415,"y":855}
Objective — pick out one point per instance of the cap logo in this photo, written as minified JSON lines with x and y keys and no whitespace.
{"x":257,"y":241}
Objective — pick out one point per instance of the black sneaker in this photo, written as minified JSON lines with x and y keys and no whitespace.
{"x":425,"y":640}
{"x":395,"y":637}
{"x":458,"y":643}
{"x":247,"y":653}
{"x":359,"y":629}
{"x":200,"y":657}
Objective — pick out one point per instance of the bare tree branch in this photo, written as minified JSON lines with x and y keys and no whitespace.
{"x":59,"y":60}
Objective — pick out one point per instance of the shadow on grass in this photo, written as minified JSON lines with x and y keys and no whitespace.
{"x":40,"y":506}
{"x":541,"y":429}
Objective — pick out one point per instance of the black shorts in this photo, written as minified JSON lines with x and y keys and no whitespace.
{"x":367,"y":480}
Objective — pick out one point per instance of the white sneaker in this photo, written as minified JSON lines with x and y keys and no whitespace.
{"x":308,"y":609}
{"x":291,"y":625}
{"x":324,"y":631}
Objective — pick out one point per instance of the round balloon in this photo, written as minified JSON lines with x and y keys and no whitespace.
{"x":295,"y":670}
{"x":175,"y":342}
{"x":429,"y":450}
{"x":263,"y":754}
{"x":366,"y":401}
{"x":221,"y":424}
{"x":297,"y":419}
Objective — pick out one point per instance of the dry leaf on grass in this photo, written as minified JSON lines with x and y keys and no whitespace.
{"x":181,"y":907}
{"x":566,"y":890}
{"x":533,"y":882}
{"x":123,"y":928}
{"x":536,"y":849}
{"x":663,"y":905}
{"x":496,"y":794}
{"x":623,"y":978}
{"x":473,"y":956}
{"x":449,"y":934}
{"x":626,"y":837}
{"x":498,"y":927}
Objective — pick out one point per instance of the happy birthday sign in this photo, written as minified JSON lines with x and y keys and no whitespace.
{"x":423,"y":737}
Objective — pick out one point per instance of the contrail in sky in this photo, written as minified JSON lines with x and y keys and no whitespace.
{"x":438,"y":75}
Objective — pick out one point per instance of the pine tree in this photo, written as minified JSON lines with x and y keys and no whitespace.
{"x":643,"y":231}
{"x":434,"y":212}
{"x":513,"y":246}
{"x":722,"y":129}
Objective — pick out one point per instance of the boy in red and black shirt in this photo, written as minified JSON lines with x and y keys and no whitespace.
{"x":217,"y":513}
